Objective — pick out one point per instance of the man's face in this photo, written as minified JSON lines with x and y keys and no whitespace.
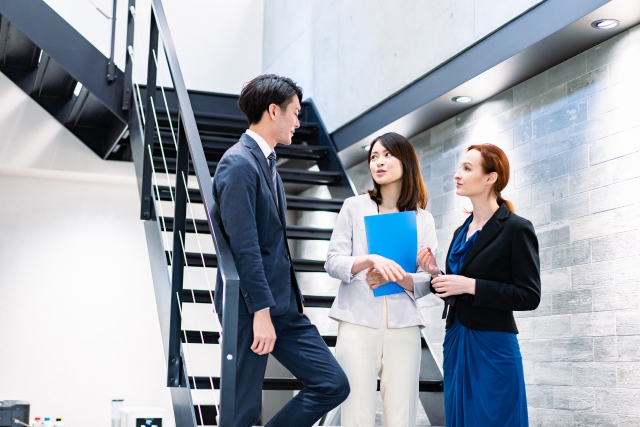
{"x":287,"y":121}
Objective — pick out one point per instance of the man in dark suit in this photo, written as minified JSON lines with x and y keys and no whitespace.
{"x":252,"y":206}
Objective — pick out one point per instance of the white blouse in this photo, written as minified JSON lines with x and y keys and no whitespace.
{"x":355,"y":302}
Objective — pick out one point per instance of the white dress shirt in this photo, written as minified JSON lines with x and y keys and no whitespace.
{"x":266,"y":150}
{"x":355,"y":302}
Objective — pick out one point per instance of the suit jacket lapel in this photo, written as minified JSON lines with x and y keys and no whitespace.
{"x":282,"y":202}
{"x":262,"y":161}
{"x":491,"y":229}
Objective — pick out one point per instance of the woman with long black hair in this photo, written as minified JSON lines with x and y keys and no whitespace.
{"x":492,"y":270}
{"x":380,"y":336}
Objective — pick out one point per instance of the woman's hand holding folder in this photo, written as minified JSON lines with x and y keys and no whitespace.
{"x":388,"y":269}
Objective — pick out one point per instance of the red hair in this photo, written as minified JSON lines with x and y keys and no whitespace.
{"x":494,"y":160}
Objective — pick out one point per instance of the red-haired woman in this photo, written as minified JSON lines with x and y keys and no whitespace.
{"x":493,"y":269}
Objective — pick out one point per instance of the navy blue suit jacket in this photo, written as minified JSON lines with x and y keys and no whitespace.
{"x":254,"y":226}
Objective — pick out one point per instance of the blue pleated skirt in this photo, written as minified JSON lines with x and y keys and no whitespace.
{"x":483,"y":379}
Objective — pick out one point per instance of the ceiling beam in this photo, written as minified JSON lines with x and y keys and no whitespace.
{"x":539,"y":39}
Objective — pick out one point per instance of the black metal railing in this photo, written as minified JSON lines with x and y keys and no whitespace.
{"x":190,"y":153}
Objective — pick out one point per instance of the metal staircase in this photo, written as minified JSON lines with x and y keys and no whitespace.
{"x":180,"y":135}
{"x":219,"y":132}
{"x":53,"y":63}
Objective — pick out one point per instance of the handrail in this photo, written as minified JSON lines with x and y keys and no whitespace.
{"x":188,"y":144}
{"x":201,"y":168}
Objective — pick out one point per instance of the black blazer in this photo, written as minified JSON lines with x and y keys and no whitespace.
{"x":505,"y":262}
{"x":255,"y":229}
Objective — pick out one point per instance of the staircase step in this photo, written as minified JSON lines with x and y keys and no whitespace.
{"x":297,"y":203}
{"x":204,"y":383}
{"x":52,"y":81}
{"x":217,"y":145}
{"x":298,"y":176}
{"x":293,"y":231}
{"x":313,"y":204}
{"x":205,"y":297}
{"x":18,"y":54}
{"x":300,"y":265}
{"x":230,"y":124}
{"x":210,"y":337}
{"x":197,"y":337}
{"x":209,"y":414}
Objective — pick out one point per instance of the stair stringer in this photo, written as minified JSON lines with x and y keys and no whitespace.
{"x":182,"y":401}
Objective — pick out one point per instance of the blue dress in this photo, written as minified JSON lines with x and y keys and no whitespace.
{"x":483,"y":375}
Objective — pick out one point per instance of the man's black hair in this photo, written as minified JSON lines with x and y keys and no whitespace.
{"x":264,"y":90}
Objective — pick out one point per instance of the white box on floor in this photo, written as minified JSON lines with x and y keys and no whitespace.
{"x":142,"y":417}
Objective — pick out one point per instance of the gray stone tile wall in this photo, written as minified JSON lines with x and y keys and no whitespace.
{"x":572,"y":135}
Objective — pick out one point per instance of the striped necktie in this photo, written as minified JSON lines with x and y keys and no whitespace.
{"x":272,"y":166}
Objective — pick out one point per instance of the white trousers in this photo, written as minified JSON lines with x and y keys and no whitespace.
{"x":391,"y":354}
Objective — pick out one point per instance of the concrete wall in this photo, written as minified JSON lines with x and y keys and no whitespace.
{"x":78,"y":320}
{"x":350,"y":55}
{"x":219,"y":44}
{"x":572,"y":135}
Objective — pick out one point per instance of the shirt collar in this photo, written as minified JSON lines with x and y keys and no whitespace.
{"x":266,"y":150}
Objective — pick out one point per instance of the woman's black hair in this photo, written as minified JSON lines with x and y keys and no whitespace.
{"x":414,"y":192}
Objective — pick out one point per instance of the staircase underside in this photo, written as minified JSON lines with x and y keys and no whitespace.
{"x":64,"y":73}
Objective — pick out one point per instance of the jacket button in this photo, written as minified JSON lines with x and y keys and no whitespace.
{"x":286,"y":256}
{"x":246,"y":294}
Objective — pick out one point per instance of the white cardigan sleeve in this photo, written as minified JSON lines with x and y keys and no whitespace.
{"x":422,"y":279}
{"x":340,"y":257}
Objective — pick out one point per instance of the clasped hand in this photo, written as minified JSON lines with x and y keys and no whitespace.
{"x":383,"y":271}
{"x":448,"y":284}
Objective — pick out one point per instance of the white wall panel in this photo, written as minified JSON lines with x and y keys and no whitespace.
{"x":78,"y":319}
{"x":350,"y":55}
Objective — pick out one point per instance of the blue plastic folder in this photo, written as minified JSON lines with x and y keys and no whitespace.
{"x":393,"y":236}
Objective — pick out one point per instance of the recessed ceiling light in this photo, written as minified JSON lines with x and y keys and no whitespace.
{"x":605,"y":24}
{"x":462,"y":99}
{"x":366,"y":147}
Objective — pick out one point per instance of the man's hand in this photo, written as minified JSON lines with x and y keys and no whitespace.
{"x":264,"y":335}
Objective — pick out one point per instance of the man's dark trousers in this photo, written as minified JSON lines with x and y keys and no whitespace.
{"x":299,"y":348}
